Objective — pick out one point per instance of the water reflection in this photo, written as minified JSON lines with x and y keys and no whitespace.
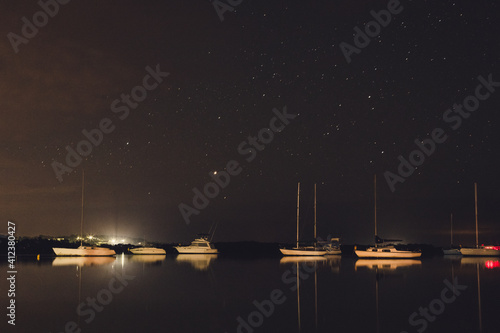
{"x":148,"y":259}
{"x":385,"y":293}
{"x":82,"y":261}
{"x":478,"y":262}
{"x":487,"y":262}
{"x":384,"y":268}
{"x":453,"y":257}
{"x":479,"y":310}
{"x":308,"y":264}
{"x":334,"y":262}
{"x":386,"y":264}
{"x":490,"y":264}
{"x":199,"y":262}
{"x":302,"y":259}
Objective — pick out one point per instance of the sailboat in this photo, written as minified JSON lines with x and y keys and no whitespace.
{"x":83,"y":251}
{"x":451,"y":250}
{"x":304,"y":250}
{"x":384,"y":251}
{"x":493,"y":251}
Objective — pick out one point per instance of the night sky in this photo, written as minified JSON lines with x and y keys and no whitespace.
{"x":353,"y":119}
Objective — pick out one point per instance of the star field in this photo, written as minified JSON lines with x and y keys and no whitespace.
{"x":354,"y":119}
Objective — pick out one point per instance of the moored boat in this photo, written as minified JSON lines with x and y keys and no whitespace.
{"x":198,"y":246}
{"x":384,"y":251}
{"x":147,"y":251}
{"x":304,"y":250}
{"x":388,"y":251}
{"x":331,"y":247}
{"x":480,"y":251}
{"x":83,"y":251}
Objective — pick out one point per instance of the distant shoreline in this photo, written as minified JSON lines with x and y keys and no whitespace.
{"x":27,"y":247}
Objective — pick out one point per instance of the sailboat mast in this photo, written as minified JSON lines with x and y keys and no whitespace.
{"x":314,"y":214}
{"x":451,"y":233}
{"x":81,"y":219}
{"x":475,"y":205}
{"x":298,"y":193}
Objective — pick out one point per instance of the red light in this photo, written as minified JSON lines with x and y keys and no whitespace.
{"x":490,"y":264}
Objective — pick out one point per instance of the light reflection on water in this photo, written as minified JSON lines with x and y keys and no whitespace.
{"x":209,"y":294}
{"x":200,"y":262}
{"x":82,"y":261}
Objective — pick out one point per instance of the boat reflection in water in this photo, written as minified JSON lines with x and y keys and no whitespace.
{"x":334,"y":262}
{"x":453,"y":257}
{"x":312,"y":262}
{"x":383,"y":268}
{"x":490,"y":264}
{"x":199,"y":262}
{"x":385,"y":264}
{"x":302,"y":259}
{"x":478,"y":262}
{"x":487,"y":262}
{"x":83,"y":261}
{"x":149,"y":259}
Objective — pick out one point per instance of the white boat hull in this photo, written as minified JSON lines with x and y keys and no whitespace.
{"x":84,"y":251}
{"x":384,"y":253}
{"x":480,"y":252}
{"x":303,"y":252}
{"x":148,"y":251}
{"x":194,"y":250}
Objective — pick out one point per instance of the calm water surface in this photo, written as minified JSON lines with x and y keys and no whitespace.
{"x":196,"y":293}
